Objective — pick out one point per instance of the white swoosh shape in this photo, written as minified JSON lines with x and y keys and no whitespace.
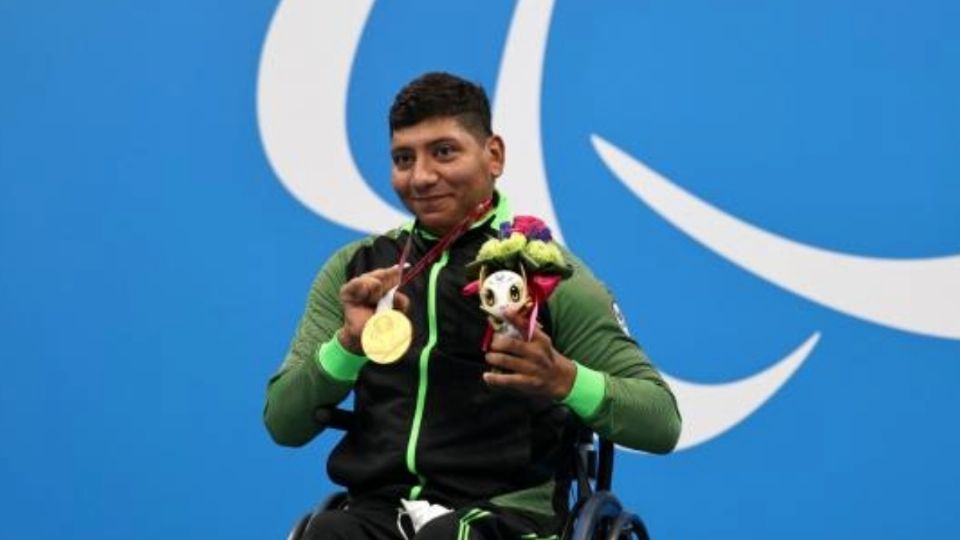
{"x":709,"y":410}
{"x":517,"y":112}
{"x":914,"y":295}
{"x":301,"y":108}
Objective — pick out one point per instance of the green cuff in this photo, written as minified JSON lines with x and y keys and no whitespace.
{"x":340,"y":363}
{"x":587,"y":393}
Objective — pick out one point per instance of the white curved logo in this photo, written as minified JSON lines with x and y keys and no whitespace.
{"x":918,"y":295}
{"x":302,"y":93}
{"x":302,"y":111}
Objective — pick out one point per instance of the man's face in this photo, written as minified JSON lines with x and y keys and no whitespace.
{"x":442,"y":171}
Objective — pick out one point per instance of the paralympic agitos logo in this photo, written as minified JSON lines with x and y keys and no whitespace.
{"x":302,"y":95}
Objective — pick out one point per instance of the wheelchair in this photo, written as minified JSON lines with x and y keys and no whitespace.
{"x":596,"y":513}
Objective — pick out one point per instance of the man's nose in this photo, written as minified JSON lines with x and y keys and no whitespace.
{"x":424,"y":174}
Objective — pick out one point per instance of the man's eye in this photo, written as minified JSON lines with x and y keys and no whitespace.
{"x":402,"y":160}
{"x":443,"y":151}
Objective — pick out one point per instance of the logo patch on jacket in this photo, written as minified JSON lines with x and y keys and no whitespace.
{"x":621,"y":320}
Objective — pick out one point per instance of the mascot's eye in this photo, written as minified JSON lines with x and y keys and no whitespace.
{"x":488,"y":297}
{"x":514,"y":293}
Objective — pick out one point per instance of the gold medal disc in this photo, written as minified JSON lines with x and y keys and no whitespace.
{"x":386,"y":336}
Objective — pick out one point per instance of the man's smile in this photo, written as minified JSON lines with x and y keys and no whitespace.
{"x":429,"y":202}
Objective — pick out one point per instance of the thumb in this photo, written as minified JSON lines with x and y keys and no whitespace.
{"x":518,"y":316}
{"x":401,"y":301}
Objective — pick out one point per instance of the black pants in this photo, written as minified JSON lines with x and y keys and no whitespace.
{"x":379,"y":522}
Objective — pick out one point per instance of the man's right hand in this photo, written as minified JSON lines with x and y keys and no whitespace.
{"x":359,"y":298}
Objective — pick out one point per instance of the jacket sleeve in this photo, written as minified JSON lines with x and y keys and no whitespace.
{"x":317,"y":371}
{"x":617,"y":391}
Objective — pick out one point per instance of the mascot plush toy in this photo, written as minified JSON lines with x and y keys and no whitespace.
{"x":520,"y":268}
{"x":499,"y":291}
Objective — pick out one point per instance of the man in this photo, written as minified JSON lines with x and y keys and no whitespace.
{"x":481,"y":433}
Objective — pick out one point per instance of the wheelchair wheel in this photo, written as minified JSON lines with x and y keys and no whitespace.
{"x":337,"y":501}
{"x":627,"y":526}
{"x":593,"y":516}
{"x":297,"y":532}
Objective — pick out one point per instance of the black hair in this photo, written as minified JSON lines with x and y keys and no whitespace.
{"x":439,"y":94}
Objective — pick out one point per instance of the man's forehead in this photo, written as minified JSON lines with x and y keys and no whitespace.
{"x":428,"y":131}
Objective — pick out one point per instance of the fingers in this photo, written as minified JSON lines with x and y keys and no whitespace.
{"x":367,"y":289}
{"x":401,"y":301}
{"x":525,"y":375}
{"x":389,"y":277}
{"x":519,"y":382}
{"x":533,"y":367}
{"x":540,"y":345}
{"x":510,"y":363}
{"x":512,"y":381}
{"x":363,"y":290}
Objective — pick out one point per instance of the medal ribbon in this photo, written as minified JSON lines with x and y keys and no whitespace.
{"x":445,"y":241}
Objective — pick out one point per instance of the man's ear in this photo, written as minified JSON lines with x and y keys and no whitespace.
{"x":497,"y":154}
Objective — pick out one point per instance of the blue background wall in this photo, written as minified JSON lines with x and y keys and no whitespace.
{"x":152,"y":266}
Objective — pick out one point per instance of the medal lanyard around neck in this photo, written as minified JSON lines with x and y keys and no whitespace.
{"x":442,"y":244}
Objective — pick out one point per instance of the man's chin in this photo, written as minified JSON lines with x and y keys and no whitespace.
{"x":439,"y":217}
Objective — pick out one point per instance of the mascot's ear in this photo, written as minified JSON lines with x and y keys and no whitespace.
{"x":471,"y":288}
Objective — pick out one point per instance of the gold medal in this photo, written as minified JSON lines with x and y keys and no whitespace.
{"x":386,"y":336}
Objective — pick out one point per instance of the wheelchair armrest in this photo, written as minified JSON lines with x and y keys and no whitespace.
{"x":592,"y":463}
{"x":605,"y":466}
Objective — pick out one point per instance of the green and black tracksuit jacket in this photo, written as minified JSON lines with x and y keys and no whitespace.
{"x":428,"y":426}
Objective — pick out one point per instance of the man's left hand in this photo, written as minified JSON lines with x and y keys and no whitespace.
{"x":531,"y":367}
